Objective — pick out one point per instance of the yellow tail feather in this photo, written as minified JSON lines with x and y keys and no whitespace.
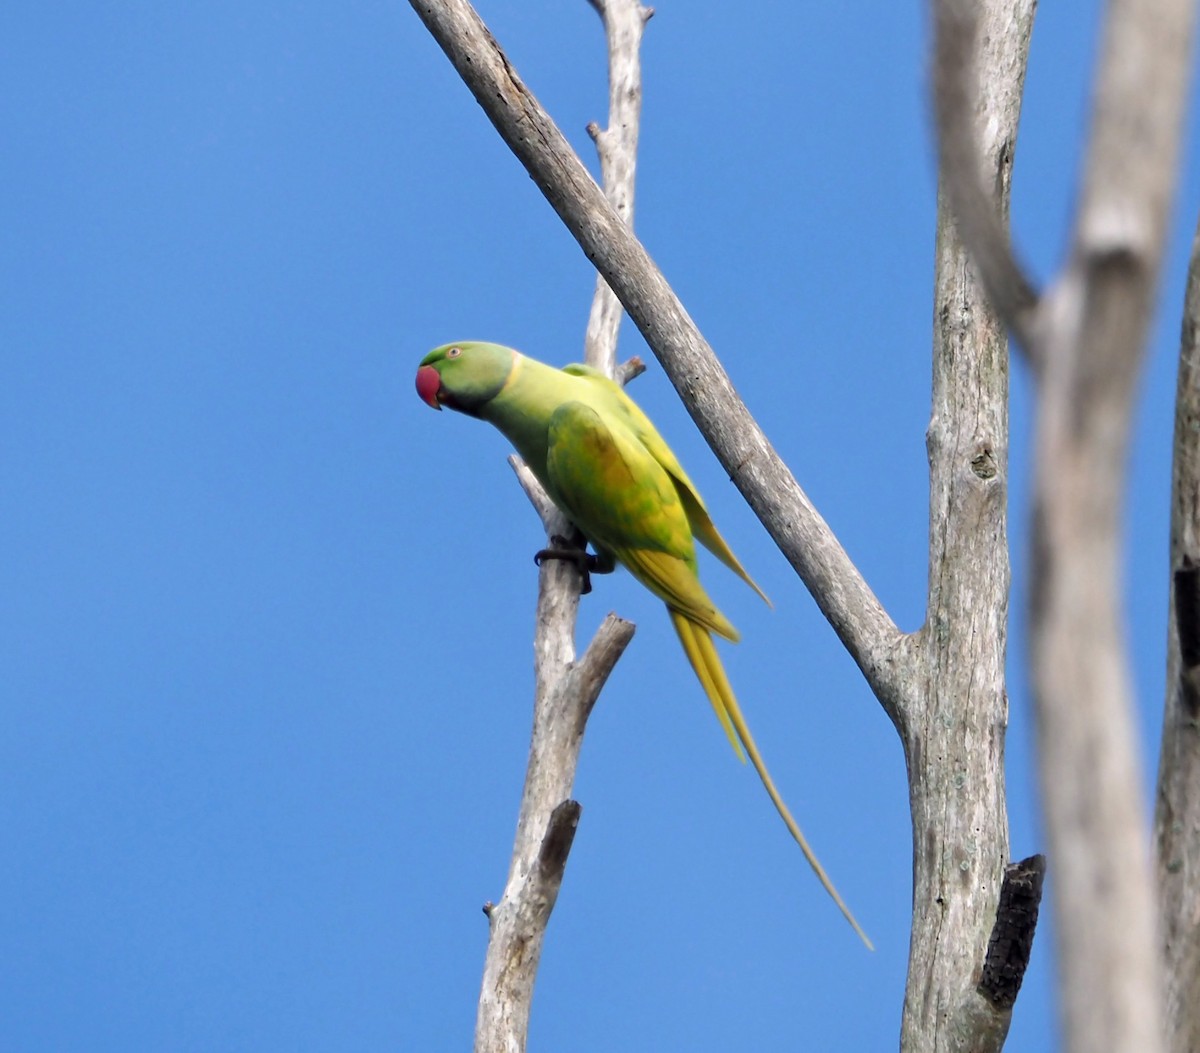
{"x":688,"y":636}
{"x":698,"y":645}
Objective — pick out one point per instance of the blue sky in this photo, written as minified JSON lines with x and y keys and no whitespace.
{"x":266,"y":619}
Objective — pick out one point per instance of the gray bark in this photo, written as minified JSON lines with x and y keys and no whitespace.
{"x":1177,"y":817}
{"x":617,"y":146}
{"x":565,"y":690}
{"x":958,"y":741}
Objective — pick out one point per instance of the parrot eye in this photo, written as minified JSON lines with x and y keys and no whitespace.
{"x":454,"y":352}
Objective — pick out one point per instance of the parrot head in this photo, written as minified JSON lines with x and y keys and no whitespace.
{"x":464,"y":376}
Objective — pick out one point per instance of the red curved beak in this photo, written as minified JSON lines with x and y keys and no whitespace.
{"x":428,"y":386}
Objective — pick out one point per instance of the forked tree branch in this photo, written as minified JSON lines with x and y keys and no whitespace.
{"x":565,"y":690}
{"x":566,"y":693}
{"x":1177,"y":816}
{"x":1086,"y":339}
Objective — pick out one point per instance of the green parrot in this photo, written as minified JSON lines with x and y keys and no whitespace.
{"x":606,"y":467}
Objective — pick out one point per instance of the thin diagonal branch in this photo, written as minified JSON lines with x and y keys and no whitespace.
{"x":848,"y":603}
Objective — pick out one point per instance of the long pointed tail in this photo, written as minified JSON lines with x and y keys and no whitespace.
{"x":698,"y":645}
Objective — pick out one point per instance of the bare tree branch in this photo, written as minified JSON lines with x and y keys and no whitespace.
{"x":955,"y":751}
{"x":964,"y":176}
{"x":565,"y":690}
{"x":546,"y":509}
{"x":630,"y":370}
{"x":617,"y":148}
{"x":1086,"y":338}
{"x":772,"y":492}
{"x":547,"y":819}
{"x":1177,"y":817}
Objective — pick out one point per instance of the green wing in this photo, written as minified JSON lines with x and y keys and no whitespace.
{"x":626,"y":503}
{"x":612,"y":396}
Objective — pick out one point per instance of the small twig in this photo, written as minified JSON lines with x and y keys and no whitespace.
{"x":630,"y":370}
{"x":590,"y":674}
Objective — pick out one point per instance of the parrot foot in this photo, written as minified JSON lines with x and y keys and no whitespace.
{"x":565,"y":550}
